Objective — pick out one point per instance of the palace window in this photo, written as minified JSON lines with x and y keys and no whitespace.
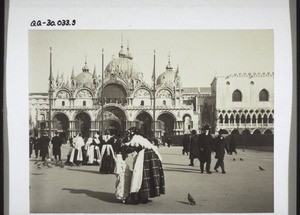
{"x":63,"y":103}
{"x":142,"y":103}
{"x":84,"y":103}
{"x":263,"y":95}
{"x":237,"y":96}
{"x":164,"y":102}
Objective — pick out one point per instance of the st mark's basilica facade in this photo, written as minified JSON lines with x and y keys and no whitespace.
{"x":240,"y":103}
{"x":121,"y":100}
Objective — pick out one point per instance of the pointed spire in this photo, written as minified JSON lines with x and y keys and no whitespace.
{"x":169,"y":62}
{"x":153,"y":74}
{"x":67,"y":83}
{"x":85,"y":68}
{"x":121,"y":52}
{"x":129,"y":55}
{"x":94,"y":74}
{"x":57,"y":77}
{"x":73,"y":75}
{"x":177,"y":72}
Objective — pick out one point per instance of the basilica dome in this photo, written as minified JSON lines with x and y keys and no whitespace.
{"x":168,"y":77}
{"x":85,"y":78}
{"x":124,"y":67}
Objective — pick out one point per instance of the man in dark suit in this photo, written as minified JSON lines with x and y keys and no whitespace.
{"x":57,"y":142}
{"x":44,"y":144}
{"x":205,"y":148}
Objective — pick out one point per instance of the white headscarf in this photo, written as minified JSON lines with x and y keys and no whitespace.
{"x":138,"y":140}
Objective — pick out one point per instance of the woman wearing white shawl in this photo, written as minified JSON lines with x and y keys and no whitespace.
{"x":148,"y":176}
{"x":76,"y":154}
{"x":93,"y":151}
{"x":107,"y":155}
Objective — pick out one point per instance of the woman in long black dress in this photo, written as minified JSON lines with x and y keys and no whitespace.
{"x":148,"y":176}
{"x":107,"y":154}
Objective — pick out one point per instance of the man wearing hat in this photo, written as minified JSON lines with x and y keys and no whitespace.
{"x":205,"y":142}
{"x":57,"y":142}
{"x":220,"y":147}
{"x":44,"y":144}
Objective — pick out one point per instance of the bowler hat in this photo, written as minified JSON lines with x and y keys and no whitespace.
{"x":205,"y":127}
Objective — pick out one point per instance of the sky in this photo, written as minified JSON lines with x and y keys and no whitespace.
{"x":199,"y":54}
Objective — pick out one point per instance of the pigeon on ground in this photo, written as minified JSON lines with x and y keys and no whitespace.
{"x":233,"y":159}
{"x":260,"y":168}
{"x":36,"y":162}
{"x":243,"y":150}
{"x":191,"y":200}
{"x":241,"y":159}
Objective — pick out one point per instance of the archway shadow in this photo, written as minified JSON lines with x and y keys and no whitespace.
{"x":103,"y":196}
{"x":82,"y":170}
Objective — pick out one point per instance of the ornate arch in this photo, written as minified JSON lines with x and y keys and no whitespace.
{"x":54,"y":113}
{"x":59,"y":94}
{"x":82,"y":111}
{"x":143,"y":88}
{"x":164,"y":93}
{"x":164,"y":88}
{"x":165,"y":112}
{"x":83,"y":88}
{"x":113,"y":105}
{"x":113,"y":81}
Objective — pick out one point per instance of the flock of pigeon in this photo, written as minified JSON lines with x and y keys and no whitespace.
{"x":49,"y":163}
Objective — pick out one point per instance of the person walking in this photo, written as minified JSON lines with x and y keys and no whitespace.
{"x":186,"y":144}
{"x":205,"y":147}
{"x":36,"y":146}
{"x":169,"y":141}
{"x":220,"y":147}
{"x":194,"y":149}
{"x":56,"y":149}
{"x":44,"y":145}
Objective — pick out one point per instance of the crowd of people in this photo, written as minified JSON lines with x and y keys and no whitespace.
{"x":202,"y":147}
{"x":134,"y":159}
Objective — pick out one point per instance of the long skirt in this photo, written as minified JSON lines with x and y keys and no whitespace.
{"x":107,"y":164}
{"x":153,"y":183}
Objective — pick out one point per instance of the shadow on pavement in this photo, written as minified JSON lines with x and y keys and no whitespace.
{"x":186,"y":203}
{"x":175,"y":164}
{"x":82,"y":170}
{"x":106,"y":197}
{"x":186,"y":170}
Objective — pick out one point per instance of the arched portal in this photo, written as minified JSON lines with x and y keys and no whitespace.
{"x":166,"y":123}
{"x":144,"y":120}
{"x":268,"y":131}
{"x":83,"y":124}
{"x":61,"y":124}
{"x":114,"y":119}
{"x":235,"y":131}
{"x":114,"y":93}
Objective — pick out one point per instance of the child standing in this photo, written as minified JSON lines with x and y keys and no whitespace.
{"x":124,"y":174}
